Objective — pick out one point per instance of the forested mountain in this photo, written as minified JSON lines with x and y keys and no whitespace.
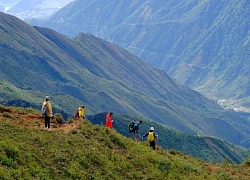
{"x":38,"y":61}
{"x":203,"y":44}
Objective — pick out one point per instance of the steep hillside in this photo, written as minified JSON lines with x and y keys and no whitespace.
{"x":37,"y":61}
{"x":203,"y":44}
{"x":93,"y":152}
{"x":210,"y":149}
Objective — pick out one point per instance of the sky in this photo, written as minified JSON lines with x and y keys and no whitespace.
{"x":8,"y":2}
{"x":13,"y":2}
{"x":27,"y":9}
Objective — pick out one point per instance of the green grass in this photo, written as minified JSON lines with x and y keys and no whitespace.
{"x":94,"y":152}
{"x":210,"y":149}
{"x":89,"y":152}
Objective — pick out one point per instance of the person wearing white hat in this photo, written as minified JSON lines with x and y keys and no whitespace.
{"x":47,"y":112}
{"x":152,"y":137}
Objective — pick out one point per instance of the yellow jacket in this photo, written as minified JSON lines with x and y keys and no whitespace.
{"x":49,"y":108}
{"x":81,"y":113}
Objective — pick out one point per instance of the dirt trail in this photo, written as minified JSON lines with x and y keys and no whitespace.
{"x":36,"y":121}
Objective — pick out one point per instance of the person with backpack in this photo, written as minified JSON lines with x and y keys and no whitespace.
{"x":136,"y":130}
{"x":109,"y":120}
{"x":151,"y":137}
{"x":81,"y":112}
{"x":47,"y":112}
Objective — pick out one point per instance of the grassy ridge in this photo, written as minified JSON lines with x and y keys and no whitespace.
{"x":210,"y":149}
{"x":93,"y":152}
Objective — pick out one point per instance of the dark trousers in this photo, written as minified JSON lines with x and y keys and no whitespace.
{"x":152,"y":144}
{"x":47,"y":121}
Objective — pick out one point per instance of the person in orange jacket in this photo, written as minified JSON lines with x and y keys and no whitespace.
{"x":109,"y":120}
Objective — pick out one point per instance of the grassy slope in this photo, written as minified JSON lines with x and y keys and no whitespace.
{"x":92,"y":152}
{"x":210,"y":149}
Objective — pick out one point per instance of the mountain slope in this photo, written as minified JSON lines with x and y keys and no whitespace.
{"x":38,"y":61}
{"x":203,"y":44}
{"x":93,"y":152}
{"x":209,"y":149}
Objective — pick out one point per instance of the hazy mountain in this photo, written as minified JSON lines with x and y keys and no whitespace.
{"x":28,"y":9}
{"x":38,"y":61}
{"x":203,"y":44}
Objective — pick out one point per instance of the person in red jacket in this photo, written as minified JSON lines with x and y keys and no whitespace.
{"x":109,"y":120}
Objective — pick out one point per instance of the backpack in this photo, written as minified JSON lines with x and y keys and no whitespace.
{"x":76,"y":115}
{"x":151,"y":136}
{"x":44,"y":110}
{"x":131,"y":126}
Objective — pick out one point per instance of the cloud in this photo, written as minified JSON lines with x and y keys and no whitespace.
{"x":5,"y":10}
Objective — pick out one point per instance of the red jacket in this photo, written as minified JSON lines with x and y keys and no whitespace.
{"x":109,"y":120}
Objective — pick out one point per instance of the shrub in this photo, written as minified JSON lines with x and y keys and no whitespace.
{"x":70,"y":120}
{"x":7,"y":161}
{"x":7,"y":115}
{"x":58,"y":118}
{"x":247,"y":162}
{"x":4,"y":109}
{"x":11,"y":152}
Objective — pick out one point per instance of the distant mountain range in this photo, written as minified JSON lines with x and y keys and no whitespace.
{"x":28,"y":9}
{"x":203,"y":44}
{"x":37,"y":61}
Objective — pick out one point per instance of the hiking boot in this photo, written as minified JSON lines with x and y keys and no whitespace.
{"x":49,"y":129}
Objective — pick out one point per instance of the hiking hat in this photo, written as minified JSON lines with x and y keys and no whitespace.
{"x":82,"y":106}
{"x":47,"y":98}
{"x":152,"y":129}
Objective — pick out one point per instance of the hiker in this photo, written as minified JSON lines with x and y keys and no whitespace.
{"x":109,"y":120}
{"x":79,"y":114}
{"x":136,"y":130}
{"x":152,"y":137}
{"x":47,"y":112}
{"x":82,"y":112}
{"x":76,"y":115}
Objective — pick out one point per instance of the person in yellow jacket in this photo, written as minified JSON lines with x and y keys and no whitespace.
{"x":152,"y":137}
{"x":47,"y":112}
{"x":81,"y":112}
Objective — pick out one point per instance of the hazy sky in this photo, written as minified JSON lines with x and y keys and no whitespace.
{"x":13,"y":2}
{"x":8,"y":2}
{"x":28,"y":9}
